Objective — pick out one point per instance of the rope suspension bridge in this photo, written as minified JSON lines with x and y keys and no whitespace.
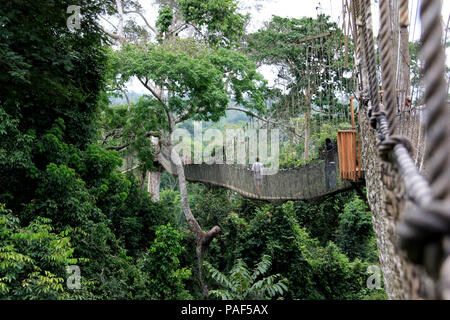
{"x":318,"y":177}
{"x":314,"y":180}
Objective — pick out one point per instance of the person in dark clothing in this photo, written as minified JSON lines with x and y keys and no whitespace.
{"x":330,"y":164}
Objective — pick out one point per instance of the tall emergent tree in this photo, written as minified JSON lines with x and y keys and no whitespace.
{"x":312,"y":56}
{"x":196,"y":75}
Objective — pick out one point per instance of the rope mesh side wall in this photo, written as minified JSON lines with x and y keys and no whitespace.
{"x":308,"y":182}
{"x":424,"y":232}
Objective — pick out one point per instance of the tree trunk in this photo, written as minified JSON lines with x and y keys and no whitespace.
{"x":142,"y":184}
{"x":203,"y":239}
{"x":154,"y":177}
{"x":153,"y":184}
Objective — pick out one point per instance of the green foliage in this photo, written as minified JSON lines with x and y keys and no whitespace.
{"x":306,"y":65}
{"x":338,"y":278}
{"x":218,"y":20}
{"x":60,"y":196}
{"x":164,"y":279}
{"x":241,"y":284}
{"x":98,"y":163}
{"x":75,"y":206}
{"x":16,"y":163}
{"x":50,"y":72}
{"x":33,"y":259}
{"x":164,"y":19}
{"x":299,"y":236}
{"x":355,"y":233}
{"x":136,"y":219}
{"x":51,"y":172}
{"x":196,"y":75}
{"x":134,"y":126}
{"x":291,"y":153}
{"x":107,"y":211}
{"x":416,"y":73}
{"x":210,"y":204}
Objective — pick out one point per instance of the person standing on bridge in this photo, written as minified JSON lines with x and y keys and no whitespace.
{"x":257,"y":169}
{"x":330,"y":164}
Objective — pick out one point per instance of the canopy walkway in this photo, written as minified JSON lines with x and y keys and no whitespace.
{"x":317,"y":179}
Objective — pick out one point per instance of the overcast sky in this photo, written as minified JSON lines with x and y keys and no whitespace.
{"x":262,"y":11}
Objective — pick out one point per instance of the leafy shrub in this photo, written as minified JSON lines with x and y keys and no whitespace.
{"x":243,"y":284}
{"x":355,"y":234}
{"x":162,"y":277}
{"x":33,"y":259}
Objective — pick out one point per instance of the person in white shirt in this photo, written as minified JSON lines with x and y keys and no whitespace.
{"x":257,"y":169}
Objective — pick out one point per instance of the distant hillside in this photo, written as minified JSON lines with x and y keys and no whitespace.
{"x":232,"y":116}
{"x":117,"y":101}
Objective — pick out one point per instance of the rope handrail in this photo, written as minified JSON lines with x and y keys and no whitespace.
{"x":310,"y":163}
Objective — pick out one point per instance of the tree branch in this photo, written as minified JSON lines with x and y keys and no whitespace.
{"x":112,"y":24}
{"x":130,"y":169}
{"x":181,"y":117}
{"x":203,"y":239}
{"x":322,"y":35}
{"x":113,"y":133}
{"x":293,"y":66}
{"x":153,"y":91}
{"x":197,"y":29}
{"x":145,"y":20}
{"x":127,"y":98}
{"x":251,"y":113}
{"x":115,"y":36}
{"x":120,"y":12}
{"x":118,"y":148}
{"x":125,"y":145}
{"x":179,"y":28}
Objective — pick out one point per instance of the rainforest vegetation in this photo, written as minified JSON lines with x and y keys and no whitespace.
{"x":68,"y":123}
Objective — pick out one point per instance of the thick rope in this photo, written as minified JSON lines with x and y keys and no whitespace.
{"x":424,"y":231}
{"x":404,"y":13}
{"x":369,"y":48}
{"x":438,"y":154}
{"x":387,"y":69}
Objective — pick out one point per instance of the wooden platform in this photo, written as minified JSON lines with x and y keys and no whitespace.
{"x":349,"y":150}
